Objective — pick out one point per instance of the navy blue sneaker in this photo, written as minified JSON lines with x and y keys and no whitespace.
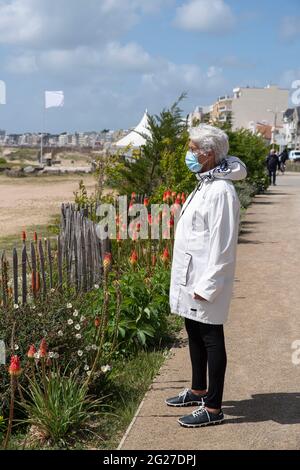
{"x":201,"y":417}
{"x":186,"y":398}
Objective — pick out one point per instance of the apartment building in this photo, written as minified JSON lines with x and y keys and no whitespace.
{"x":249,"y":106}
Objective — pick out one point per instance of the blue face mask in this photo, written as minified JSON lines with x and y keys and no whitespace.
{"x":192,"y":163}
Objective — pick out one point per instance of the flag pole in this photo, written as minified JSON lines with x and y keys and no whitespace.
{"x":42,"y":134}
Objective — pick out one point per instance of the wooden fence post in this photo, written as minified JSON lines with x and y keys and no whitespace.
{"x":15,"y":276}
{"x":24,"y":278}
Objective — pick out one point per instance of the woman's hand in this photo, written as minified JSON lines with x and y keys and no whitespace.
{"x":198,"y":297}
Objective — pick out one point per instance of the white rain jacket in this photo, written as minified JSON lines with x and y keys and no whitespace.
{"x":205,"y":245}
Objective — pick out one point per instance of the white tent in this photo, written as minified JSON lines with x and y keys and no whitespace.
{"x":134,"y":138}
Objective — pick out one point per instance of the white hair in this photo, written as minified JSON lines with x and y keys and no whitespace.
{"x":210,"y":138}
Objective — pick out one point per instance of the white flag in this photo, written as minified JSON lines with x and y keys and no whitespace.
{"x":2,"y":92}
{"x":54,"y":99}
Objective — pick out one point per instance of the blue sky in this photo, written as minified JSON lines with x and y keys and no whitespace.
{"x":115,"y":58}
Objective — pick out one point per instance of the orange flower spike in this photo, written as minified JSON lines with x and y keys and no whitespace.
{"x":97,"y":322}
{"x":24,"y":236}
{"x":146,"y":202}
{"x":168,"y":195}
{"x":43,"y":351}
{"x":15,"y":366}
{"x":35,"y":237}
{"x":107,"y":260}
{"x":133,"y":258}
{"x":31,"y":352}
{"x":165,"y":256}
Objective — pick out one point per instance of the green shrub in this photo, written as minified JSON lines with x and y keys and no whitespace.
{"x":59,"y":406}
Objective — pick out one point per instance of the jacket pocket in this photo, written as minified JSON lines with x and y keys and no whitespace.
{"x":184,"y":273}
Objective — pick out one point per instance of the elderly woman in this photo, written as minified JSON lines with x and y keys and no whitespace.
{"x":203,"y":269}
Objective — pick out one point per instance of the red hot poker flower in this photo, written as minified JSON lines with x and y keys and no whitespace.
{"x":43,"y":348}
{"x":165,"y":256}
{"x":97,"y":322}
{"x":15,"y":366}
{"x":133,"y":258}
{"x":107,"y":260}
{"x":31,"y":352}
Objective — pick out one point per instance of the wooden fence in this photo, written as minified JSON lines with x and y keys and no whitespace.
{"x":73,"y":259}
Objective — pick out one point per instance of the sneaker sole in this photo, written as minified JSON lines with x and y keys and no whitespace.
{"x":200,"y":425}
{"x":181,"y":405}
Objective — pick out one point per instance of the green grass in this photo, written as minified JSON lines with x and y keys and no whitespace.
{"x":128,"y":384}
{"x":15,"y":241}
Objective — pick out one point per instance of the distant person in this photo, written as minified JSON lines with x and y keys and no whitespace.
{"x":272,"y":162}
{"x":283,"y":157}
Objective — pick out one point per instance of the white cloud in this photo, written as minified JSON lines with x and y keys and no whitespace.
{"x":214,"y":71}
{"x":207,"y":16}
{"x":290,"y":27}
{"x":70,"y":23}
{"x":22,"y":64}
{"x":113,"y":56}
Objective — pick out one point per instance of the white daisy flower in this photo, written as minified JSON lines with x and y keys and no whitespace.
{"x":86,"y":367}
{"x":89,"y":372}
{"x":80,"y":353}
{"x":37,"y":355}
{"x":78,"y":336}
{"x":106,"y":368}
{"x":75,"y":313}
{"x":60,"y":333}
{"x":52,"y":290}
{"x":70,"y":321}
{"x":40,"y":314}
{"x":96,"y":286}
{"x":69,"y":306}
{"x":51,"y":355}
{"x":16,"y":306}
{"x":16,"y":347}
{"x":88,"y":348}
{"x":77,"y":327}
{"x":94,"y":347}
{"x":82,"y":318}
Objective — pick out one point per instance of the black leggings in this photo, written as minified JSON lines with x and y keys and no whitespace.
{"x":207,"y":348}
{"x":272,"y":176}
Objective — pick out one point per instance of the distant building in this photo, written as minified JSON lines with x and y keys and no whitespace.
{"x":255,"y":104}
{"x":222,"y":109}
{"x":251,"y":105}
{"x":63,"y":140}
{"x":291,"y":124}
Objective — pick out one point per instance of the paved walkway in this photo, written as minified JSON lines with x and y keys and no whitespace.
{"x":262,"y":391}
